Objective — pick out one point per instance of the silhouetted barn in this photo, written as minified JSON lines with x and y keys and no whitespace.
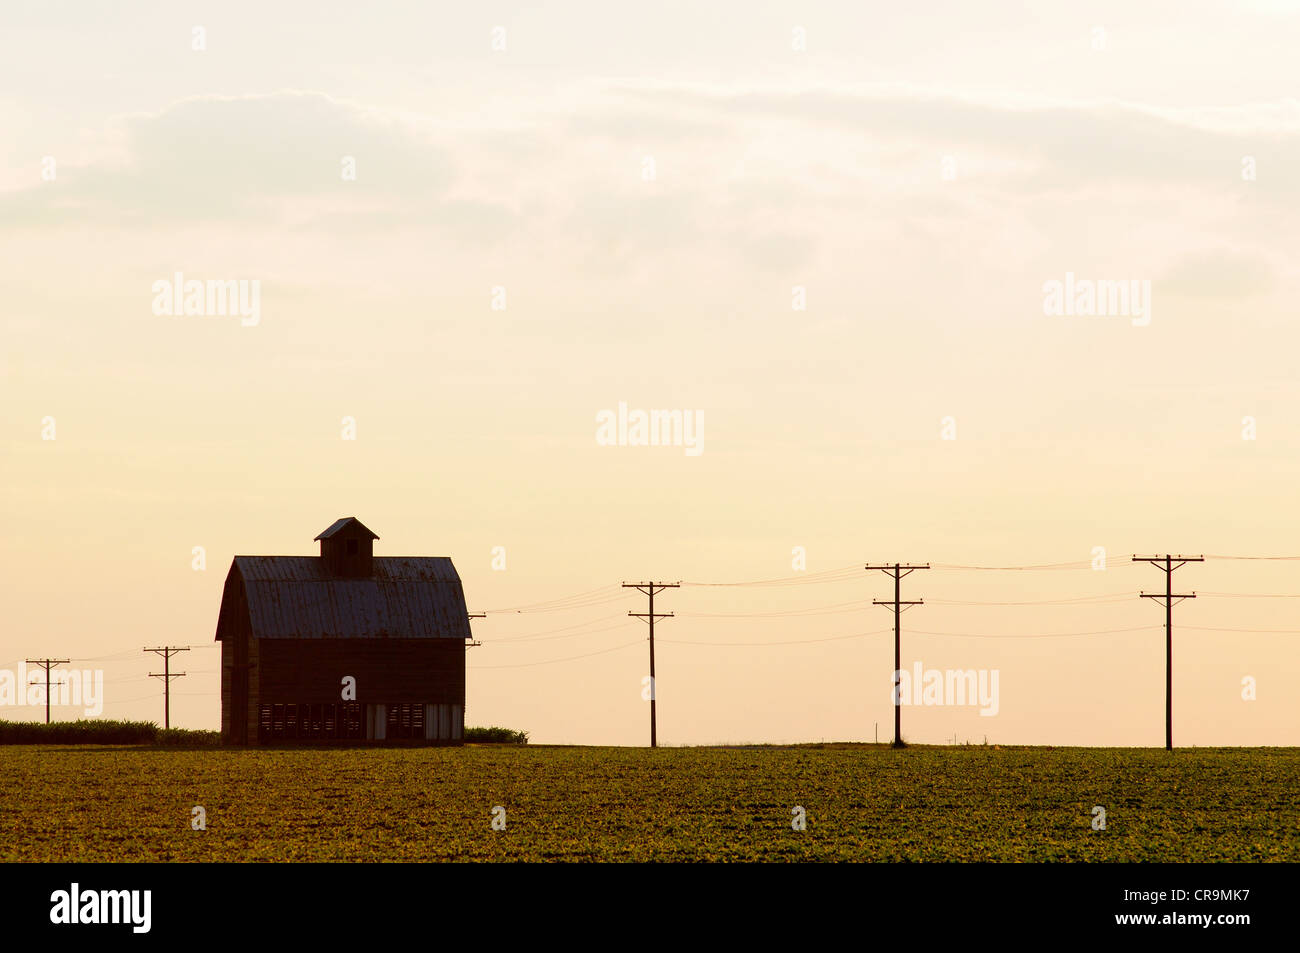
{"x":293,"y":628}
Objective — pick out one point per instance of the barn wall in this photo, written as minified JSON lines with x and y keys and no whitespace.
{"x":254,"y":662}
{"x":387,"y":670}
{"x":235,"y":638}
{"x":227,"y":660}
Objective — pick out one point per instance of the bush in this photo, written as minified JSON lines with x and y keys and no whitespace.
{"x":105,"y":732}
{"x":495,"y":736}
{"x":188,"y":738}
{"x":100,"y":732}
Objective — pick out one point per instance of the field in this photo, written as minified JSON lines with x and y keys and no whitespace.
{"x":862,"y":802}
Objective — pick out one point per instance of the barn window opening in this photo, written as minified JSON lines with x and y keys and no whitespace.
{"x":326,"y":721}
{"x":305,"y":722}
{"x":352,"y":547}
{"x":406,"y":721}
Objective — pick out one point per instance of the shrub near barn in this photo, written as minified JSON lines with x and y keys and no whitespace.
{"x":101,"y":732}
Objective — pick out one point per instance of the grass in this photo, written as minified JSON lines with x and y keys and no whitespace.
{"x":863,"y":802}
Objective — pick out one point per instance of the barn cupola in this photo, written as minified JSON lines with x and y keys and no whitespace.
{"x":348,"y":548}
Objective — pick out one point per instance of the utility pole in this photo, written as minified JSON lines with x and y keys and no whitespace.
{"x":650,"y":588}
{"x":167,"y":675}
{"x":46,"y":663}
{"x":897,"y":571}
{"x":1169,"y":597}
{"x":475,"y":615}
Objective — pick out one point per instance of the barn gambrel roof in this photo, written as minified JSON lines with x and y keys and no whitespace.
{"x":295,"y":597}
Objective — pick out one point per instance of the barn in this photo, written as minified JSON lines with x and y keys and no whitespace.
{"x":343,"y":647}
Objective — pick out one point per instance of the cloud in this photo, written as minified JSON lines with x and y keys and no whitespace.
{"x":251,"y":158}
{"x":775,"y":177}
{"x":1218,"y":273}
{"x":1069,"y":142}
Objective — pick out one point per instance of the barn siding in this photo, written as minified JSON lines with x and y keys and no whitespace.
{"x":387,"y":670}
{"x":233,"y":622}
{"x":226,"y":689}
{"x":254,"y":653}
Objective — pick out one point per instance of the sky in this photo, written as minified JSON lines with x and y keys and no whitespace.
{"x":825,"y":233}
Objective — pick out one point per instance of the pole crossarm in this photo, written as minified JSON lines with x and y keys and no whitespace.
{"x":1178,"y":596}
{"x":645,"y":587}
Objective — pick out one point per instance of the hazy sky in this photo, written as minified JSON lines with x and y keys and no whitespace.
{"x":644,"y":187}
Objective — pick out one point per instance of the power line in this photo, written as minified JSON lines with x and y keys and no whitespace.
{"x":553,"y":661}
{"x":1081,"y":600}
{"x":125,"y":701}
{"x":1216,"y":628}
{"x":563,"y":635}
{"x":580,"y":600}
{"x":558,"y":608}
{"x":828,"y":575}
{"x":565,"y":632}
{"x":1253,"y":595}
{"x":603,"y":596}
{"x":1036,"y":635}
{"x":1077,"y":564}
{"x":833,"y":638}
{"x":833,"y":609}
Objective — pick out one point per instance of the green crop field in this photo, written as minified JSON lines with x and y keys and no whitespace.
{"x":862,"y":802}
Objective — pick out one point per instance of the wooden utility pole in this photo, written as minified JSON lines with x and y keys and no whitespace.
{"x":897,"y":571}
{"x":650,"y":588}
{"x":473,"y":642}
{"x":1169,"y":597}
{"x":47,"y":663}
{"x":167,"y":675}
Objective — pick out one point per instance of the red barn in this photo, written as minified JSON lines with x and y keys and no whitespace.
{"x":344,"y":646}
